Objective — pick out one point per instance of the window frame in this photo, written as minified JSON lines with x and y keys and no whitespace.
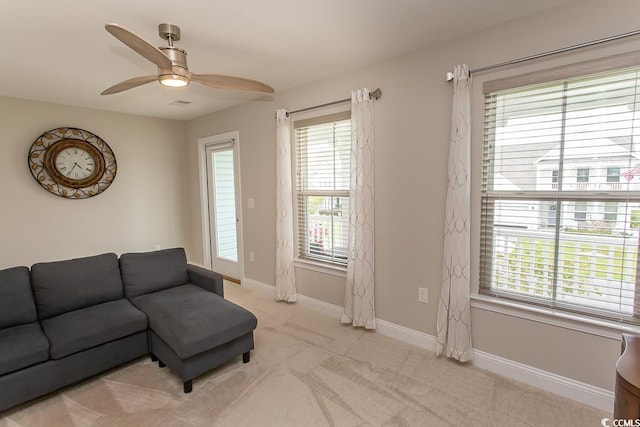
{"x":582,"y":175}
{"x":580,"y":209}
{"x":310,"y":262}
{"x":613,"y":178}
{"x":609,"y":214}
{"x":485,"y":299}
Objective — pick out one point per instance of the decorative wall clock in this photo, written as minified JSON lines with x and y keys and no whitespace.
{"x":72,"y":163}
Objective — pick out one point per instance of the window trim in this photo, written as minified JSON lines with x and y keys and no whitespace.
{"x":563,"y":72}
{"x":553,"y":317}
{"x":321,"y":267}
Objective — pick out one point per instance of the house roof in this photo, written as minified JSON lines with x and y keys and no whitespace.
{"x":588,"y":149}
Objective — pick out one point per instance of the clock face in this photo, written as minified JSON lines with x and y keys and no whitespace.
{"x":72,"y":163}
{"x":75,"y":163}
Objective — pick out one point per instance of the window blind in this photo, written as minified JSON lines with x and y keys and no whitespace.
{"x":323,"y":151}
{"x":560,"y":204}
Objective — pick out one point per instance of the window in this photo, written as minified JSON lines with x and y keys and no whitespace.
{"x":323,"y":152}
{"x":552,"y":214}
{"x":580,"y":212}
{"x":613,"y":179}
{"x":611,"y":211}
{"x":613,"y":174}
{"x":583,"y":175}
{"x":569,"y":242}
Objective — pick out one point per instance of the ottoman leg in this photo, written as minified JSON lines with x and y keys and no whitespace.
{"x":188,"y":386}
{"x":154,"y":358}
{"x":246,"y":357}
{"x":161,"y":364}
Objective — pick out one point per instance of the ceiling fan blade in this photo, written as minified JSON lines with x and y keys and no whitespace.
{"x":140,"y":45}
{"x":230,"y":82}
{"x":129,"y":84}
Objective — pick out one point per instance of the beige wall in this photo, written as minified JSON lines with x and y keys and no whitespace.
{"x":412,"y":131}
{"x":147,"y":204}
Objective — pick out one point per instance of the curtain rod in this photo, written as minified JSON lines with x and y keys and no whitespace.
{"x":375,"y":95}
{"x":549,"y":53}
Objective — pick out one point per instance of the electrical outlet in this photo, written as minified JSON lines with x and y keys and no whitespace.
{"x":156,"y":247}
{"x":423,"y":295}
{"x":252,"y":256}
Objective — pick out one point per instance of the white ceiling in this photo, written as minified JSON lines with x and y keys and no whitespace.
{"x":59,"y":51}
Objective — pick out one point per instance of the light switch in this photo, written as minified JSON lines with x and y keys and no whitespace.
{"x":423,"y":295}
{"x":251,"y":203}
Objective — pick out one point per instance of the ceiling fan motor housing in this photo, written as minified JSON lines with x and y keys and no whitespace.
{"x":178,"y":58}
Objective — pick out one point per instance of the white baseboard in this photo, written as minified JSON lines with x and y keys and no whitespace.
{"x":410,"y":336}
{"x":548,"y":381}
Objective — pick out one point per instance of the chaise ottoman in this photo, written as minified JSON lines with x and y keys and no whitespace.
{"x":192,"y":328}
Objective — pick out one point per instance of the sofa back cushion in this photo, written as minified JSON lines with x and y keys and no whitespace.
{"x":63,"y":286}
{"x":16,"y":298}
{"x":147,"y":272}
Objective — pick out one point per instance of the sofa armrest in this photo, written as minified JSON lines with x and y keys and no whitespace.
{"x":206,"y":279}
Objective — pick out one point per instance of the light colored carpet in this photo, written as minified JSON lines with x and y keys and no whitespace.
{"x":306,"y":370}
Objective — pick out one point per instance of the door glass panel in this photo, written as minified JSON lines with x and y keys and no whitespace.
{"x":225,"y":205}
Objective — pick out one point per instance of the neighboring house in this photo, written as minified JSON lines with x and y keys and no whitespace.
{"x":599,"y":165}
{"x":562,"y":218}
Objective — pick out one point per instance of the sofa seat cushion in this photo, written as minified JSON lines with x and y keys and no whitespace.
{"x":81,"y":329}
{"x":22,"y":346}
{"x":191,"y":320}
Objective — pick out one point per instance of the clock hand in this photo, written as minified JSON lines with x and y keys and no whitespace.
{"x":75,"y":164}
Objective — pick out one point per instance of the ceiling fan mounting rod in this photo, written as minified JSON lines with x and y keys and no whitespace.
{"x":169,"y":32}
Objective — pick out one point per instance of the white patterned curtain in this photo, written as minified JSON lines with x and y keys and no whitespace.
{"x":359,"y":295}
{"x":454,"y":311}
{"x":285,"y":274}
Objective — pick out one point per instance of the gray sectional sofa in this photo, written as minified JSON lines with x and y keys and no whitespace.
{"x":64,"y":321}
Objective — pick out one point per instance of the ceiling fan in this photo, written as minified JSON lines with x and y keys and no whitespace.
{"x":172,"y":64}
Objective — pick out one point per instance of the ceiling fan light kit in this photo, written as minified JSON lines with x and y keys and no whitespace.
{"x":172,"y":64}
{"x":173,"y":80}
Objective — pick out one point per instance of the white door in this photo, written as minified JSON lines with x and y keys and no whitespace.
{"x":222,"y":186}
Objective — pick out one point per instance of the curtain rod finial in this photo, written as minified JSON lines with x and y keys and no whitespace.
{"x":449,"y":76}
{"x":376,"y":94}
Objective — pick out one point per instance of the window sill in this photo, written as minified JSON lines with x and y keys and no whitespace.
{"x":320,"y":267}
{"x":549,"y":316}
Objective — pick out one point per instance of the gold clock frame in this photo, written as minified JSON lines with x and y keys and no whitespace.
{"x":44,"y":150}
{"x":56,"y":148}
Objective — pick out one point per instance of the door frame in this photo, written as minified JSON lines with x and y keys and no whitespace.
{"x":204,"y":195}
